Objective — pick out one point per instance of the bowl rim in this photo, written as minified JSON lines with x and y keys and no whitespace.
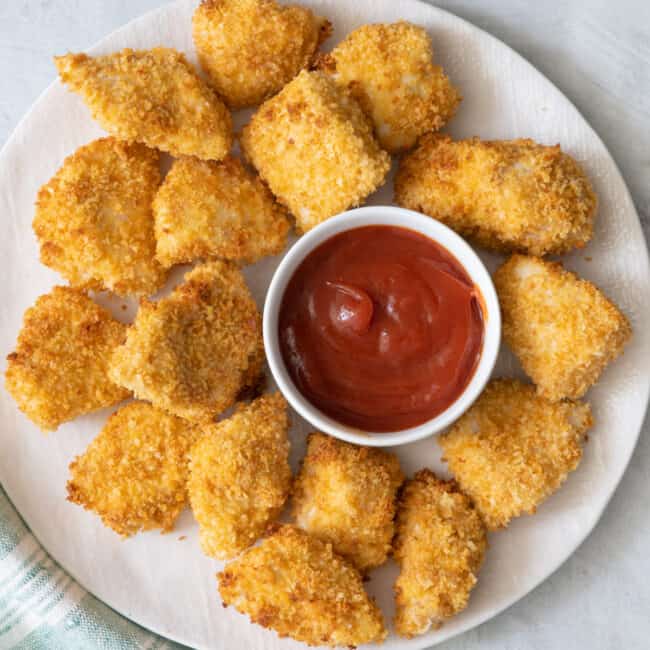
{"x":388,"y":216}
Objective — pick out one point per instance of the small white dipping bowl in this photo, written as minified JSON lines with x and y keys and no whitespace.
{"x":382,"y":216}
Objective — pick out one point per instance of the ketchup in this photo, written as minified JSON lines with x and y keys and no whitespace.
{"x":381,"y":328}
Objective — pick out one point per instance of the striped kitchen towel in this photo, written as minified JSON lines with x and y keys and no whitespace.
{"x":41,"y":607}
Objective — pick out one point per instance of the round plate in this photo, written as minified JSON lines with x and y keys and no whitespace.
{"x":164,"y":582}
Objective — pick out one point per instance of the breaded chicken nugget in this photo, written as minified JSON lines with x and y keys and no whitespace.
{"x":563,"y":329}
{"x":389,"y":69}
{"x":440,"y":545}
{"x":509,"y":195}
{"x":251,"y":48}
{"x":207,"y":210}
{"x":513,"y":449}
{"x":240,"y":476}
{"x":314,"y":147}
{"x":134,"y":473}
{"x":60,"y":367}
{"x":296,"y":585}
{"x":94,"y":221}
{"x":345,"y":495}
{"x":151,"y":96}
{"x":192,"y":352}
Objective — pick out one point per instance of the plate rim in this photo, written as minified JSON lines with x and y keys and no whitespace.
{"x":490,"y":613}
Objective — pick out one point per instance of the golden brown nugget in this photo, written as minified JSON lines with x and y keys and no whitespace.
{"x":192,"y":352}
{"x":315,"y":149}
{"x":563,"y":329}
{"x":389,"y":69}
{"x":508,"y":195}
{"x":151,"y":96}
{"x":216,"y":210}
{"x":345,"y":495}
{"x":60,"y":367}
{"x":251,"y":48}
{"x":440,"y":545}
{"x":513,"y":449}
{"x":94,"y":221}
{"x":296,"y":585}
{"x":134,"y":473}
{"x":240,"y":476}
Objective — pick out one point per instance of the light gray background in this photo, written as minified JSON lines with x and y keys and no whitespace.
{"x":598,"y":53}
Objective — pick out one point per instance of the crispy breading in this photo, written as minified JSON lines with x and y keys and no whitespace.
{"x":94,"y":221}
{"x":192,"y":352}
{"x":389,"y":69}
{"x":240,"y":476}
{"x":345,"y":495}
{"x":315,"y":148}
{"x":210,"y":210}
{"x":513,"y":449}
{"x":440,"y":544}
{"x":134,"y":473}
{"x":251,"y":48}
{"x":60,"y":367}
{"x":507,"y":195}
{"x":562,"y":328}
{"x":296,"y":585}
{"x":151,"y":96}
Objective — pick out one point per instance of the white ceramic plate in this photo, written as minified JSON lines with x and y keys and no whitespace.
{"x":166,"y":584}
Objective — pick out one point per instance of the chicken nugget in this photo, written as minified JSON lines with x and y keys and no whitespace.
{"x":60,"y":367}
{"x":134,"y":473}
{"x":240,"y":476}
{"x":151,"y":96}
{"x":440,"y":544}
{"x":216,"y":210}
{"x":314,"y":147}
{"x":508,"y":195}
{"x":192,"y":352}
{"x":251,"y":48}
{"x":345,"y":495}
{"x":513,"y":449}
{"x":389,"y":69}
{"x":94,"y":221}
{"x":296,"y":585}
{"x":563,"y":329}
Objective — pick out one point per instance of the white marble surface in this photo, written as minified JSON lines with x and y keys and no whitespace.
{"x":598,"y":53}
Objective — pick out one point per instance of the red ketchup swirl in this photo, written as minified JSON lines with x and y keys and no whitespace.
{"x":381,"y":328}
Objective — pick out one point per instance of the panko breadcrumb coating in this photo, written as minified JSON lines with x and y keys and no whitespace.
{"x":151,"y":96}
{"x":345,"y":495}
{"x":513,"y":449}
{"x":509,"y":195}
{"x":563,"y":329}
{"x":389,"y":69}
{"x":94,"y":221}
{"x":440,"y":544}
{"x":296,"y":585}
{"x":251,"y":48}
{"x":134,"y":473}
{"x":60,"y":367}
{"x":192,"y":352}
{"x":314,"y":147}
{"x":216,"y":210}
{"x":240,"y":476}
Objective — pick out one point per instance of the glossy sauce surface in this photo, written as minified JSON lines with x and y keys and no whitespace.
{"x":381,"y":328}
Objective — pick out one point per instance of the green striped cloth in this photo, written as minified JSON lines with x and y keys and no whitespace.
{"x":42,"y":607}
